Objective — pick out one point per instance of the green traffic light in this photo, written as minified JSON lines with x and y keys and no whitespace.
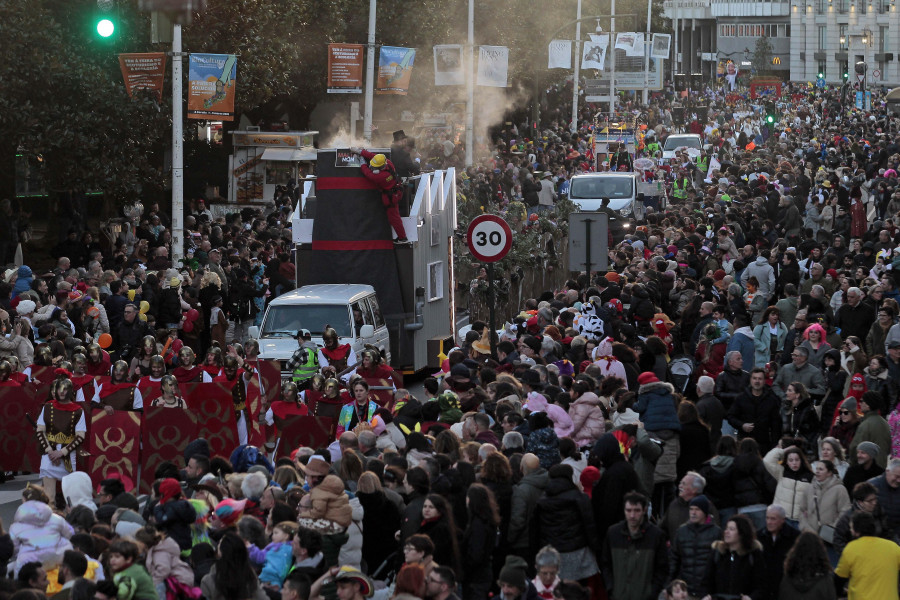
{"x":770,"y":119}
{"x":105,"y":28}
{"x":821,"y":75}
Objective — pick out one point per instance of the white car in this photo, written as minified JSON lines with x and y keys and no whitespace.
{"x":680,"y":140}
{"x":590,"y":191}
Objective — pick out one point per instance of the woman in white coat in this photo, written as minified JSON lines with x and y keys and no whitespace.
{"x":790,"y":468}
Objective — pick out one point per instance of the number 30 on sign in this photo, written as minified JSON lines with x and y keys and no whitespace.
{"x":489,"y":238}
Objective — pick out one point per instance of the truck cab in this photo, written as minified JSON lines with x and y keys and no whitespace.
{"x":351,"y":309}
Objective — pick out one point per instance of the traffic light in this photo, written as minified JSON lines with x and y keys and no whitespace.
{"x":770,"y":113}
{"x":846,"y":75}
{"x":105,"y":20}
{"x":821,"y":75}
{"x":770,"y":119}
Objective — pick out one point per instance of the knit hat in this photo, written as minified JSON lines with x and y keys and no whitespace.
{"x":589,"y":476}
{"x":849,"y":404}
{"x":229,"y":511}
{"x":645,"y":378}
{"x":514,"y":572}
{"x":701,"y":502}
{"x":719,"y":274}
{"x":168,"y":489}
{"x":870,"y":448}
{"x":612,"y":277}
{"x":705,"y":385}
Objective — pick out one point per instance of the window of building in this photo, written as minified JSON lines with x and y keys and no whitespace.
{"x":882,"y":39}
{"x":823,"y":31}
{"x":821,"y":69}
{"x":842,"y":35}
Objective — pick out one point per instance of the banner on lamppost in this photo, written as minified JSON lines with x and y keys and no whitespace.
{"x":632,"y":43}
{"x":394,"y":70}
{"x":593,"y":53}
{"x":661,"y":45}
{"x":493,"y":64}
{"x":211,"y":81}
{"x":143,"y":71}
{"x":448,"y":65}
{"x":559,"y":54}
{"x":345,"y":68}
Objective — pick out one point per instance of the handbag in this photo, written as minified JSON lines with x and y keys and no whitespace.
{"x":826,"y":532}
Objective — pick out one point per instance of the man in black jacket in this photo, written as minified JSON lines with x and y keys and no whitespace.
{"x":130,"y":332}
{"x":777,"y":538}
{"x":634,"y":558}
{"x":733,"y":380}
{"x":757,"y":413}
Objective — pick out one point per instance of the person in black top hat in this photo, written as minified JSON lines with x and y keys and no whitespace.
{"x":401,"y":156}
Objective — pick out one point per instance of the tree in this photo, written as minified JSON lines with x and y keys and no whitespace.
{"x":762,"y":56}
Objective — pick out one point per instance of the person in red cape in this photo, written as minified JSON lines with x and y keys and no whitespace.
{"x":18,"y":375}
{"x":99,"y":362}
{"x":187,"y":371}
{"x":118,"y":393}
{"x":213,"y":364}
{"x":290,"y":404}
{"x":377,"y":374}
{"x":6,"y":379}
{"x":335,"y":355}
{"x":82,"y":381}
{"x":171,"y":396}
{"x":150,"y":386}
{"x":61,"y":429}
{"x":237,"y":378}
{"x":251,"y":353}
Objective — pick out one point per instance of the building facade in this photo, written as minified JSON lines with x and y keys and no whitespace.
{"x":831,"y":36}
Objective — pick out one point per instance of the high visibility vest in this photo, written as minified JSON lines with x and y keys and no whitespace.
{"x":702,"y":163}
{"x":308,"y":366}
{"x":679,"y":191}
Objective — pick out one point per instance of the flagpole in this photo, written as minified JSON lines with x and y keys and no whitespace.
{"x":612,"y":72}
{"x":470,"y":85}
{"x":577,"y":75}
{"x":370,"y":72}
{"x":177,"y":150}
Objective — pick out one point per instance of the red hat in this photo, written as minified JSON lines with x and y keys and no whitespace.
{"x":168,"y":489}
{"x":612,"y":277}
{"x":719,"y":274}
{"x":645,"y":378}
{"x":831,"y":272}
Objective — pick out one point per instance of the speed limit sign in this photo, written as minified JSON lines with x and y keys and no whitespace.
{"x":489,"y":238}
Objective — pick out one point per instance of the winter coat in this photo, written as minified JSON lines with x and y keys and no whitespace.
{"x":764,"y":273}
{"x":816,"y":587}
{"x":588,"y":422}
{"x":39,"y":535}
{"x":210,"y":592}
{"x":175,"y":519}
{"x":873,"y":428}
{"x":791,"y":491}
{"x":694,"y":448}
{"x":563,"y":517}
{"x":440,"y":533}
{"x":544,"y":444}
{"x":689,"y":553}
{"x":802,"y":421}
{"x":618,"y":478}
{"x":751,"y":482}
{"x":77,"y":490}
{"x":712,"y":412}
{"x":710,"y":364}
{"x":478,"y":543}
{"x":351,"y":550}
{"x":277,"y":561}
{"x":656,"y":405}
{"x":737,"y":573}
{"x":381,"y":518}
{"x":562,"y":422}
{"x":763,"y":340}
{"x":719,"y":489}
{"x":775,"y":551}
{"x":825,"y":501}
{"x":888,"y":501}
{"x":730,"y":384}
{"x":164,"y":561}
{"x":18,"y":346}
{"x":764,"y":412}
{"x":634,"y":567}
{"x":525,"y":497}
{"x":330,"y":502}
{"x":842,"y":533}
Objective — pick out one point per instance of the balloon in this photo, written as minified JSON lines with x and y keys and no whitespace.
{"x":187,"y":326}
{"x":145,"y":307}
{"x":93,"y":311}
{"x":104,"y":341}
{"x":193,"y":314}
{"x":142,"y":317}
{"x":131,"y":295}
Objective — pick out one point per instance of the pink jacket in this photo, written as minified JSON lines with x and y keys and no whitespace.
{"x":562,"y":422}
{"x":587,"y":419}
{"x":39,"y":535}
{"x":164,"y":561}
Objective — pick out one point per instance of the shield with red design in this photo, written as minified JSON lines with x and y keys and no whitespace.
{"x":212,"y":405}
{"x":114,"y":443}
{"x":312,"y":432}
{"x":381,"y":390}
{"x":270,"y":380}
{"x":165,"y":434}
{"x":19,"y":449}
{"x":256,"y":433}
{"x":150,"y":390}
{"x":41,"y":378}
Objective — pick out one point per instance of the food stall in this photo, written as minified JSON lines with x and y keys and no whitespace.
{"x":261,"y":161}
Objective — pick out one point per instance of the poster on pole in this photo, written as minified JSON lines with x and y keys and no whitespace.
{"x":143,"y":71}
{"x":493,"y":64}
{"x":628,"y":42}
{"x":394,"y":70}
{"x":448,"y":65}
{"x":345,"y":68}
{"x":559,"y":54}
{"x":662,"y":43}
{"x":593,"y":53}
{"x":211,"y":80}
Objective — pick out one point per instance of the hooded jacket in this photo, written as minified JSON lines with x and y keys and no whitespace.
{"x":562,"y":422}
{"x":544,"y":444}
{"x":825,"y":502}
{"x":588,"y":422}
{"x":690,"y":552}
{"x":656,"y":405}
{"x":164,"y":561}
{"x":351,"y":550}
{"x":764,"y":273}
{"x":563,"y":517}
{"x":524,"y":500}
{"x":751,"y":482}
{"x":175,"y":518}
{"x":618,"y":478}
{"x":23,"y":283}
{"x":792,"y":489}
{"x":77,"y":490}
{"x":735,"y":573}
{"x":719,"y":489}
{"x":329,"y":502}
{"x":39,"y":535}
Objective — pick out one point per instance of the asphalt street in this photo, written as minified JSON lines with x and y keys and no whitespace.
{"x":11,"y":497}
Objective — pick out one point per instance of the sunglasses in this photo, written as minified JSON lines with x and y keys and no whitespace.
{"x":845,"y":412}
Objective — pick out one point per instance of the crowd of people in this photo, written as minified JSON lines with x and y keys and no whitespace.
{"x":714,"y":416}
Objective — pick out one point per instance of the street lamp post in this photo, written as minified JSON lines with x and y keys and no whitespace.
{"x":577,"y":74}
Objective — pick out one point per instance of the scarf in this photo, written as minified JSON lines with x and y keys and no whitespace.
{"x":184,"y":375}
{"x":111,"y":388}
{"x":65,"y":407}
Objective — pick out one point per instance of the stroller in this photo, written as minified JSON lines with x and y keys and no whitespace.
{"x":681,"y":371}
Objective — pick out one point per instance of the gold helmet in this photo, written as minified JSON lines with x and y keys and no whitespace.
{"x":329,"y":335}
{"x":5,"y":370}
{"x":317,"y":382}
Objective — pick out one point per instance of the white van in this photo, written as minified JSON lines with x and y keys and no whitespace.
{"x":351,"y":309}
{"x":589,"y":190}
{"x":680,"y":140}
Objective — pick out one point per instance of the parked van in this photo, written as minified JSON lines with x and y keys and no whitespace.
{"x":680,"y":140}
{"x":591,"y":190}
{"x":351,"y":309}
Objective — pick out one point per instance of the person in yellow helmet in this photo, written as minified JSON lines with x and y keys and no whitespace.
{"x":383,"y":174}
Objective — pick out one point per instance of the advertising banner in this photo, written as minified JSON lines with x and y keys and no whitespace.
{"x":211,"y":81}
{"x":493,"y":64}
{"x":559,"y":54}
{"x":448,"y":65}
{"x":143,"y":71}
{"x":345,"y":68}
{"x":593,"y":53}
{"x":631,"y":43}
{"x":394,"y":70}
